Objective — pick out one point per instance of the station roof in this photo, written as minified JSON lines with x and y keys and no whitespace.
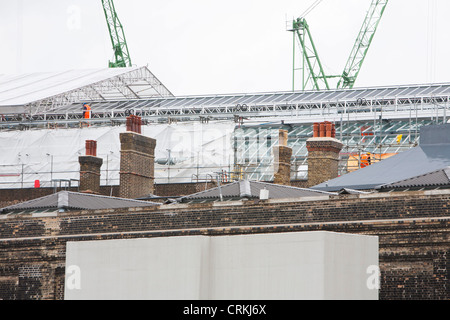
{"x":243,"y":100}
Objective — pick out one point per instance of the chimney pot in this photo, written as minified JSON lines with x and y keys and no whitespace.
{"x":134,"y":124}
{"x":322,"y":130}
{"x":129,"y":123}
{"x":139,"y":122}
{"x":316,"y":130}
{"x":329,"y":129}
{"x":91,"y":148}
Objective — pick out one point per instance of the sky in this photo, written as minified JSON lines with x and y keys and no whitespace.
{"x":197,"y":47}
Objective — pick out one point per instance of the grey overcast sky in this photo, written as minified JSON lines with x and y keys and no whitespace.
{"x":236,"y":46}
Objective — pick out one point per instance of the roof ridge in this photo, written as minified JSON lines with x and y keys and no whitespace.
{"x":209,"y":190}
{"x":291,"y":187}
{"x":102,"y":196}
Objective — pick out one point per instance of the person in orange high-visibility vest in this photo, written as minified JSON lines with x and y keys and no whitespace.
{"x":86,"y":111}
{"x":366,"y":160}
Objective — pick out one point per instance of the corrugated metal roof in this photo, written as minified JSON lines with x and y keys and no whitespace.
{"x":435,"y":178}
{"x":432,"y":154}
{"x":77,"y":201}
{"x":252,"y":189}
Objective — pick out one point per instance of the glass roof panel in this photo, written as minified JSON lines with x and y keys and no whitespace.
{"x":354,"y":94}
{"x":260,"y":98}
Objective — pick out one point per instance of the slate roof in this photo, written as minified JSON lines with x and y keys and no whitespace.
{"x":76,"y":201}
{"x":433,"y":153}
{"x":251,"y":189}
{"x":433,"y":179}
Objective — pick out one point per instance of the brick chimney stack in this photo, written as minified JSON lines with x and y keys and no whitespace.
{"x":323,"y":153}
{"x":137,"y":161}
{"x":282,"y":160}
{"x":90,"y":166}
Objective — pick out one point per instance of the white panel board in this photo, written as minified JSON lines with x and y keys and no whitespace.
{"x":304,"y":265}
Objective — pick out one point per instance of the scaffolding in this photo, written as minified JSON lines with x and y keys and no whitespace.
{"x":253,"y":145}
{"x":381,"y":120}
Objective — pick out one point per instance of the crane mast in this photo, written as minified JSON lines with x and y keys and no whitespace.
{"x":362,"y":44}
{"x":119,"y":44}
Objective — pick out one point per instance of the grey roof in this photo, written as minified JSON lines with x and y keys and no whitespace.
{"x":437,"y":178}
{"x":76,"y":201}
{"x":251,"y":189}
{"x":433,"y":153}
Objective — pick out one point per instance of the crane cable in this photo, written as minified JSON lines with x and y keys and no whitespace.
{"x":311,"y":8}
{"x":307,"y":11}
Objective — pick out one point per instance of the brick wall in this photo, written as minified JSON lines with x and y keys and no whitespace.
{"x":413,"y":230}
{"x":299,"y":183}
{"x":182,"y":189}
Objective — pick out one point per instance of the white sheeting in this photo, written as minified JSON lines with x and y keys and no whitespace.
{"x":26,"y":88}
{"x":47,"y":155}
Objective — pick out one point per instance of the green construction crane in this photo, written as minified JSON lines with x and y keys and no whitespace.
{"x":119,"y":43}
{"x":362,"y":44}
{"x":312,"y":71}
{"x":313,"y":75}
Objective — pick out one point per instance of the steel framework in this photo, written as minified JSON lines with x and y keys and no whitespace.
{"x":133,"y":83}
{"x":352,"y":104}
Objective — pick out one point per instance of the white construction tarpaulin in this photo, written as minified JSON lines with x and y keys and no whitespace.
{"x":196,"y":150}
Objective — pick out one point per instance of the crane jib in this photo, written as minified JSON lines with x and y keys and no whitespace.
{"x":120,"y":48}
